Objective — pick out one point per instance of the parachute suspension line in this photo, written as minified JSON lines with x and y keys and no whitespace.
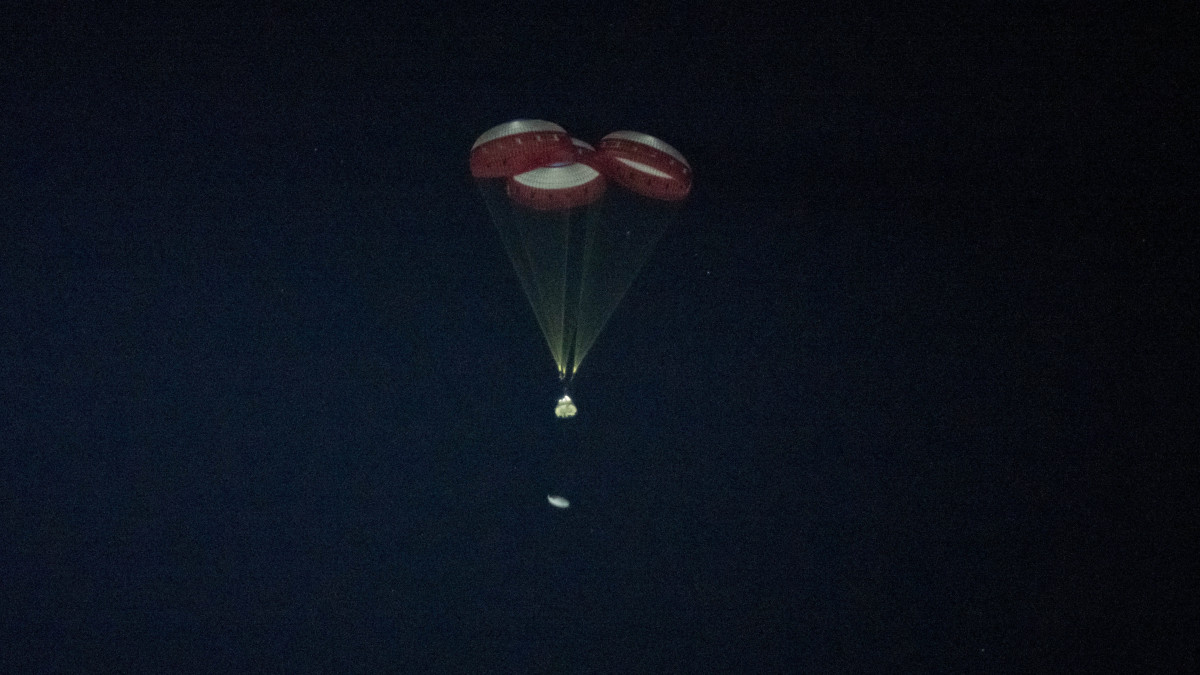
{"x":580,"y":351}
{"x":537,"y":298}
{"x":516,"y":244}
{"x":570,"y":318}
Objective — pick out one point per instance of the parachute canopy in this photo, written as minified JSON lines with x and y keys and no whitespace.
{"x":578,"y":222}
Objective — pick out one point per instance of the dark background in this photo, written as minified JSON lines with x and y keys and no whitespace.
{"x":908,"y":388}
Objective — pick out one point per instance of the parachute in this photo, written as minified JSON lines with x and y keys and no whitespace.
{"x":578,"y":223}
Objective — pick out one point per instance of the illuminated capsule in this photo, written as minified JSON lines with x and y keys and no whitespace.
{"x":565,"y":407}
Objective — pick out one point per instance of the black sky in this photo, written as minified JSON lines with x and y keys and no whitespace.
{"x":908,"y":388}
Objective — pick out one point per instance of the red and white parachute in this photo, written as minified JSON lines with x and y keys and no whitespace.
{"x":578,"y":222}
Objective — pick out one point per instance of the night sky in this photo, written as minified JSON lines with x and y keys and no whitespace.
{"x":908,"y":387}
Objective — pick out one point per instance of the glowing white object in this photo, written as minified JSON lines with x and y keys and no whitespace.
{"x":565,"y":407}
{"x":557,"y":501}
